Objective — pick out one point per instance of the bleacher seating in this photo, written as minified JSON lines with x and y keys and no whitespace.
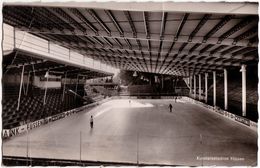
{"x":31,"y":106}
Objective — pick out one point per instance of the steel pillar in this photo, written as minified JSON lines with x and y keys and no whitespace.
{"x":46,"y":88}
{"x":225,"y":89}
{"x":199,"y":87}
{"x":195,"y":91}
{"x":64,"y":85}
{"x":243,"y":70}
{"x":20,"y":90}
{"x":206,"y":87}
{"x":214,"y":89}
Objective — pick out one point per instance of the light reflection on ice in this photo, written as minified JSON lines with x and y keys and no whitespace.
{"x":127,"y":103}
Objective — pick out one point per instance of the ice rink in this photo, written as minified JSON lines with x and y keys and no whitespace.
{"x":142,"y":131}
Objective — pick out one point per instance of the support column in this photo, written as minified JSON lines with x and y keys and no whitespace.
{"x":28,"y":82}
{"x":243,"y":70}
{"x":190,"y":85}
{"x":14,"y":39}
{"x":20,"y":90}
{"x":199,"y":87}
{"x":46,"y":88}
{"x":64,"y":85}
{"x":225,"y":89}
{"x":214,"y":89}
{"x":206,"y":87}
{"x":162,"y":82}
{"x":76,"y":86}
{"x":195,"y":87}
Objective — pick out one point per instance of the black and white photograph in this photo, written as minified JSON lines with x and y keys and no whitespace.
{"x":149,"y":83}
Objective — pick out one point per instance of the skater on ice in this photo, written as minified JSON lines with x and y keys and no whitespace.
{"x":170,"y":107}
{"x":91,"y":122}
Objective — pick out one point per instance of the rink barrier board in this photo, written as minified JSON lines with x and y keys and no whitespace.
{"x":7,"y":133}
{"x":241,"y":120}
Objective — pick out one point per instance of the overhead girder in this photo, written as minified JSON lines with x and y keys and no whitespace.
{"x":119,"y":57}
{"x":66,"y":18}
{"x":181,"y":68}
{"x":158,"y":54}
{"x":47,"y":15}
{"x":237,"y":27}
{"x":83,"y":19}
{"x":230,"y":50}
{"x":220,"y":24}
{"x":246,"y":34}
{"x":194,"y":47}
{"x":108,"y":42}
{"x":146,"y":25}
{"x":218,"y":49}
{"x":206,"y":48}
{"x":183,"y":21}
{"x":139,"y":36}
{"x":116,"y":24}
{"x":118,"y":42}
{"x":150,"y":54}
{"x":224,"y":54}
{"x":182,"y":47}
{"x":244,"y":51}
{"x":253,"y":40}
{"x":130,"y":21}
{"x":97,"y":41}
{"x":163,"y":23}
{"x":213,"y":7}
{"x":99,"y":21}
{"x":217,"y":54}
{"x":77,"y":36}
{"x":167,"y":55}
{"x":141,"y":65}
{"x":195,"y":66}
{"x":139,"y":68}
{"x":199,"y":26}
{"x":195,"y":69}
{"x":128,"y":43}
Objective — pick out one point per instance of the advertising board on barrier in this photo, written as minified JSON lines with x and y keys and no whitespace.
{"x":167,"y":97}
{"x":219,"y":111}
{"x":253,"y":125}
{"x":36,"y":124}
{"x":14,"y":131}
{"x":242,"y":120}
{"x":227,"y":114}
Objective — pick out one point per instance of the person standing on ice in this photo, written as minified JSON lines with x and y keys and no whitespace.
{"x":170,"y":107}
{"x":129,"y":102}
{"x":91,"y":121}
